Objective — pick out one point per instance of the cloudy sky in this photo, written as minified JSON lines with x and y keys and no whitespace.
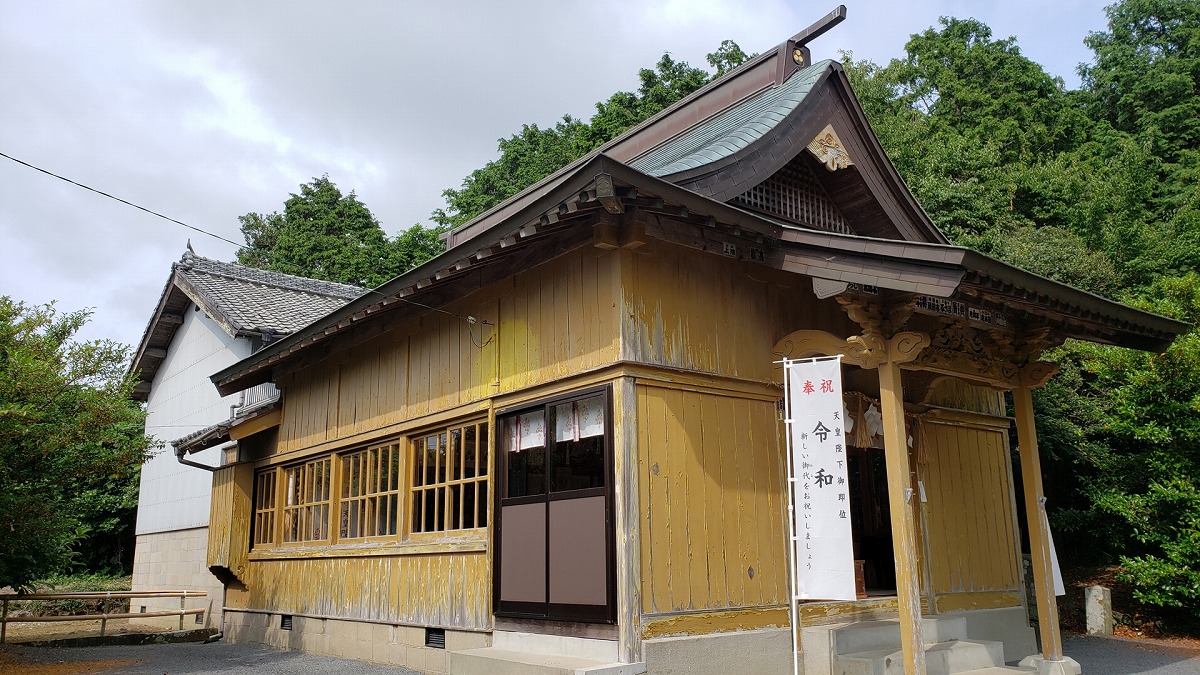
{"x":206,"y":110}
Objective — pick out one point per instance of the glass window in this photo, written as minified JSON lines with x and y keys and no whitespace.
{"x":555,"y":448}
{"x":265,"y":507}
{"x":370,"y":491}
{"x":306,"y":501}
{"x":449,"y":488}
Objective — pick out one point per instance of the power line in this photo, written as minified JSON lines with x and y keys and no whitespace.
{"x":101,"y":192}
{"x":469,"y":319}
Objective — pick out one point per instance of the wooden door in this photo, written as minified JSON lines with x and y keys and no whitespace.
{"x":554,"y":536}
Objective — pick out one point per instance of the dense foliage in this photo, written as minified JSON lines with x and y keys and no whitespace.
{"x":323,"y":234}
{"x":71,"y":443}
{"x":1097,"y":188}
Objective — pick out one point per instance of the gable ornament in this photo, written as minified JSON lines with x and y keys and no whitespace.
{"x":828,"y":149}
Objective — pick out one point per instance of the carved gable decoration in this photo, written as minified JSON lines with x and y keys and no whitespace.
{"x":958,"y":348}
{"x":828,"y":149}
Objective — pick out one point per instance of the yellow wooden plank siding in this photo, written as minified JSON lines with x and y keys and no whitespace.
{"x":970,"y":509}
{"x":551,"y":321}
{"x":229,"y":517}
{"x":446,"y":589}
{"x":711,"y":494}
{"x":714,"y":315}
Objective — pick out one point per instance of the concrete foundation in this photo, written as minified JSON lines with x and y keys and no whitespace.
{"x":175,"y":561}
{"x":387,"y":644}
{"x":764,"y":652}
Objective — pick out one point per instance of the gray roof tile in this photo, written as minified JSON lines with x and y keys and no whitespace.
{"x":255,"y":300}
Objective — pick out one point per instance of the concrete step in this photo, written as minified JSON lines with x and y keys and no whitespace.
{"x":873,"y":635}
{"x":497,"y":661}
{"x":960,"y":656}
{"x":941,"y":658}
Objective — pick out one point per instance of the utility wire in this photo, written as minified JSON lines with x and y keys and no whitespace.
{"x":469,"y":319}
{"x":101,"y":192}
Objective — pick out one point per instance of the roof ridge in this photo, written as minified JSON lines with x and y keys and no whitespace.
{"x":191,"y":261}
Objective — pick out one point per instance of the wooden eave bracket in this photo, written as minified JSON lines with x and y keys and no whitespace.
{"x":606,"y":194}
{"x":869,"y":350}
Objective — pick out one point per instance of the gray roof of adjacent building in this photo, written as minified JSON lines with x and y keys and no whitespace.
{"x":260,"y":301}
{"x":243,"y":301}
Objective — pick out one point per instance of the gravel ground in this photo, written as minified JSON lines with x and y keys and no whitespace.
{"x":1125,"y":656}
{"x":179,"y":659}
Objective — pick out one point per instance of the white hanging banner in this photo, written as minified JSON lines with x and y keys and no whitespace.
{"x":824,"y":546}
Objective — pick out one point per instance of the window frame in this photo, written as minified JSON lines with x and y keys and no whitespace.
{"x":303,"y":510}
{"x":272,"y":517}
{"x":264,"y":506}
{"x":445,"y":481}
{"x":368,"y":501}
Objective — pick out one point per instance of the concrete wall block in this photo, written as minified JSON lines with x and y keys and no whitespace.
{"x":411,"y":636}
{"x":457,"y":640}
{"x":436,"y":661}
{"x":382,"y":634}
{"x":389,"y":653}
{"x":758,"y":651}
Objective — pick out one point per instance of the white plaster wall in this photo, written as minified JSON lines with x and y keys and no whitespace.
{"x":183,"y":400}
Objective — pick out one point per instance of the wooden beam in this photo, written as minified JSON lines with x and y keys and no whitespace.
{"x":171,"y":319}
{"x":900,"y":495}
{"x":255,"y":424}
{"x":1037,"y":525}
{"x":155,"y":353}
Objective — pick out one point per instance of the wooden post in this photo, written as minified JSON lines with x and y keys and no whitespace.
{"x":4,"y":622}
{"x":1037,"y":525}
{"x":628,"y":521}
{"x":900,"y":495}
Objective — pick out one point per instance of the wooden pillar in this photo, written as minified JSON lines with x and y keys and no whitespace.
{"x":628,"y":521}
{"x":1037,"y":525}
{"x":900,"y":495}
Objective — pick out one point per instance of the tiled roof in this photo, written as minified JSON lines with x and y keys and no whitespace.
{"x":255,"y":300}
{"x":732,"y":129}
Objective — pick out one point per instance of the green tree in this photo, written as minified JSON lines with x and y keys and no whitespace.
{"x":1098,"y":188}
{"x":71,"y":441}
{"x":1145,"y":78}
{"x":323,"y":234}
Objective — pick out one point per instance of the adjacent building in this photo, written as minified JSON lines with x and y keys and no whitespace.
{"x":211,"y":314}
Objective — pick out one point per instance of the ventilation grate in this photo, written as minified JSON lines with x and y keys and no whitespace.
{"x":794,"y":193}
{"x":435,"y":637}
{"x":285,"y":621}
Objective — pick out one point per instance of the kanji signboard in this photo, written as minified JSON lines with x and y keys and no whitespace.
{"x":822,"y":539}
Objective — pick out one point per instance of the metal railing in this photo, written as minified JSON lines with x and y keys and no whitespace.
{"x":104,"y":617}
{"x":258,"y":394}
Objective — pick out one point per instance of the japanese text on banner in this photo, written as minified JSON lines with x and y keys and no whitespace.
{"x":824,"y":548}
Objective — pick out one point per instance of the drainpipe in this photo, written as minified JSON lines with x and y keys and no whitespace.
{"x":179,"y":457}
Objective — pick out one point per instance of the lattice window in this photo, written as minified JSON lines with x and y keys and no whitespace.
{"x":450,"y":479}
{"x":794,"y":193}
{"x":370,"y":487}
{"x":266,"y":506}
{"x":306,"y":505}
